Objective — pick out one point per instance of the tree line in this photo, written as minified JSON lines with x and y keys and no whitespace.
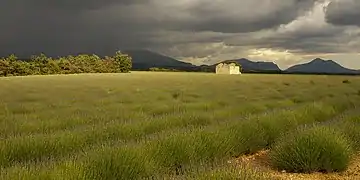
{"x":82,"y":63}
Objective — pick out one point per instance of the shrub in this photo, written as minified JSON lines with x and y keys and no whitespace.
{"x":352,"y":132}
{"x":177,"y":153}
{"x":317,"y":149}
{"x":350,"y":126}
{"x":180,"y":153}
{"x":37,"y":148}
{"x":208,"y":147}
{"x":274,"y":125}
{"x":245,"y":137}
{"x":123,"y":163}
{"x":172,"y":155}
{"x":24,"y":150}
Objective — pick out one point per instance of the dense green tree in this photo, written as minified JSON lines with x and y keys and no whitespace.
{"x":4,"y":67}
{"x":82,"y":63}
{"x":123,"y":62}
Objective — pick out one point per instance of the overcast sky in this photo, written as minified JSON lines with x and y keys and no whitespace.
{"x":198,"y":31}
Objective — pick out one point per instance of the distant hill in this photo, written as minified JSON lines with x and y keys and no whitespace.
{"x":249,"y":66}
{"x":252,"y":66}
{"x":144,"y":59}
{"x":320,"y":66}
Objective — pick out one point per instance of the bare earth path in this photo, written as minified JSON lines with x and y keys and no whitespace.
{"x":260,"y":161}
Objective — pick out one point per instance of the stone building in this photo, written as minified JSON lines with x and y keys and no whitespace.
{"x":224,"y":68}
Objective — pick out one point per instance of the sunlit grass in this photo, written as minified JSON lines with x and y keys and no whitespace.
{"x":77,"y":125}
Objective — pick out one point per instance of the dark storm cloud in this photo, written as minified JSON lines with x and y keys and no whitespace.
{"x":244,"y":16}
{"x":326,"y":41}
{"x":344,"y":12}
{"x":66,"y":5}
{"x":57,"y":27}
{"x":332,"y":40}
{"x":103,"y":26}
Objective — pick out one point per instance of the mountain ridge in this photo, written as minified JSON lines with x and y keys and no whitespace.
{"x":319,"y":65}
{"x":146,"y":59}
{"x":248,"y":65}
{"x":143,"y":59}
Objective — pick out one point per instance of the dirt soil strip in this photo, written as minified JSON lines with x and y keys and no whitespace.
{"x":260,"y":161}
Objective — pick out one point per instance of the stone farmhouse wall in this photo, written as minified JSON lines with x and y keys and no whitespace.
{"x":227,"y":69}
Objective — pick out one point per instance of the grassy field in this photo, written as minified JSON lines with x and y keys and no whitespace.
{"x":157,"y":125}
